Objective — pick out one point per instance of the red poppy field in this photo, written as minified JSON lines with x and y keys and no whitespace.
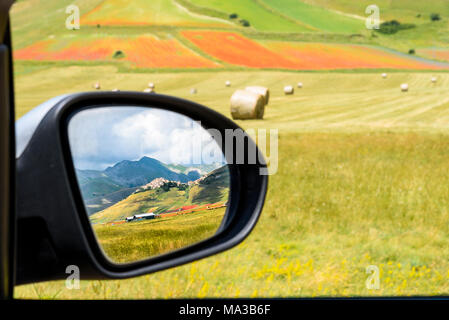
{"x":236,"y":49}
{"x":143,"y":51}
{"x":230,"y":48}
{"x":316,"y":56}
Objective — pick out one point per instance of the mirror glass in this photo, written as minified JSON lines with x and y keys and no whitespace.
{"x":152,"y":181}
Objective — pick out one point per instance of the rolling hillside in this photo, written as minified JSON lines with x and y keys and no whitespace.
{"x":108,"y":199}
{"x":96,"y":183}
{"x":259,"y":17}
{"x":125,"y":243}
{"x":220,"y":50}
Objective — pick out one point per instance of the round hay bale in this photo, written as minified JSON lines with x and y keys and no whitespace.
{"x":299,"y":85}
{"x":151,"y":85}
{"x":384,"y":75}
{"x":228,"y":83}
{"x":149,"y":90}
{"x":247,"y":105}
{"x":193,"y":91}
{"x":97,"y":85}
{"x":260,"y":90}
{"x":404,"y":87}
{"x":434,"y":79}
{"x":289,"y":90}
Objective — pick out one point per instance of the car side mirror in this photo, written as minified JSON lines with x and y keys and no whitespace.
{"x":123,"y":183}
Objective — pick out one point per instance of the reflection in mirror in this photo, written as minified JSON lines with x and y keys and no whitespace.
{"x":152,"y":180}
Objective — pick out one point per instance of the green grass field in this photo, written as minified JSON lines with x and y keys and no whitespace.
{"x":362,"y":180}
{"x":141,"y":202}
{"x":349,"y":101}
{"x":363,"y":167}
{"x":135,"y":241}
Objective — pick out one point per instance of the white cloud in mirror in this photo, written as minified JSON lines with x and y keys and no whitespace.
{"x":107,"y":135}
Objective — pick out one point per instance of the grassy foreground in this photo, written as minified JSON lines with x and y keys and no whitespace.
{"x":363,"y":180}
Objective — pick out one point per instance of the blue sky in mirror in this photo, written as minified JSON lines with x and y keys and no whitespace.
{"x":102,"y":137}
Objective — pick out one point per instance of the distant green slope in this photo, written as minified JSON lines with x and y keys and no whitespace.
{"x":137,"y":241}
{"x":426,"y":34}
{"x":105,"y":201}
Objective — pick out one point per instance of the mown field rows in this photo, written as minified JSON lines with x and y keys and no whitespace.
{"x":328,"y":101}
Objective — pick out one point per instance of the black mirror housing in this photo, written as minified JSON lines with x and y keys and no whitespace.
{"x":53,"y":230}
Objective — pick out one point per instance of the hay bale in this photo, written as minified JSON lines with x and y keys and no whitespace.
{"x":260,"y":90}
{"x":151,"y":85}
{"x":299,"y":85}
{"x":228,"y":83}
{"x":247,"y":105}
{"x":404,"y":87}
{"x":149,"y":90}
{"x":115,"y":90}
{"x":193,"y":91}
{"x":289,"y":90}
{"x":97,"y":85}
{"x":384,"y":75}
{"x":434,"y":79}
